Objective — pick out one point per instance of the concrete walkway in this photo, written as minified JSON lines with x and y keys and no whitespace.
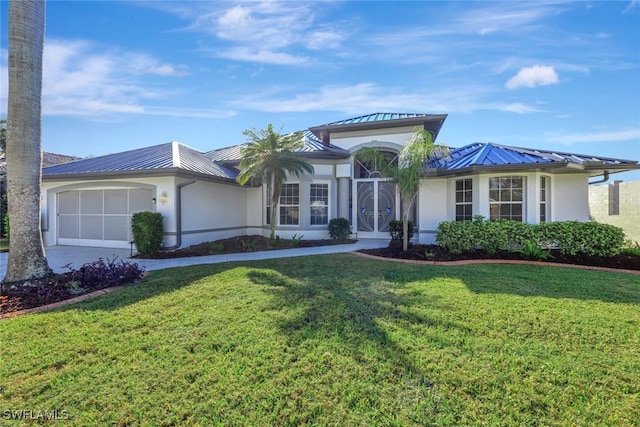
{"x":60,"y":256}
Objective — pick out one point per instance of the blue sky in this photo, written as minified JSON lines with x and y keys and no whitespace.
{"x":552,"y":75}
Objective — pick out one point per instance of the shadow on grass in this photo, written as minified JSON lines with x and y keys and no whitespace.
{"x":330,"y":276}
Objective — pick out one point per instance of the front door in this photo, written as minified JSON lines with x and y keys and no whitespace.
{"x":376,"y":206}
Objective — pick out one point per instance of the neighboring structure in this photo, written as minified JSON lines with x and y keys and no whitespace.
{"x":617,"y":204}
{"x":90,"y":201}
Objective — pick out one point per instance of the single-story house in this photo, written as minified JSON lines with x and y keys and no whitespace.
{"x":90,"y":201}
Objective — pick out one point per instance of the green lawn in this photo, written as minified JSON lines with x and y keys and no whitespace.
{"x":336,"y":340}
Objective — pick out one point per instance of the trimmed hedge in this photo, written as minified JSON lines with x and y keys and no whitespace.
{"x":147,"y":231}
{"x":569,"y":237}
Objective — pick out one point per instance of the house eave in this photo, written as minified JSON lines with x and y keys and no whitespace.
{"x":132,"y":174}
{"x":432,"y":123}
{"x":553,"y":168}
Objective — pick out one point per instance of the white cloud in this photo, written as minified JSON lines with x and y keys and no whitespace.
{"x":367,"y":97}
{"x":81,"y":78}
{"x":270,"y":32}
{"x":610,"y":136}
{"x":536,"y":75}
{"x":631,"y":6}
{"x":263,"y":56}
{"x":518,"y":107}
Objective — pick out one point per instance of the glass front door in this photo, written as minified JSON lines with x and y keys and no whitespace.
{"x":376,"y":206}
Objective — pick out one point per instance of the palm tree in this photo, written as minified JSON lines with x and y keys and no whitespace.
{"x":24,"y":147}
{"x":412,"y":160}
{"x":269,"y":157}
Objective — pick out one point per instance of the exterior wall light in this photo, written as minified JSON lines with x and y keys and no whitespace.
{"x":163,"y":198}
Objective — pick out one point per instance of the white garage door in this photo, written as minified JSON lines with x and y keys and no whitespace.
{"x":100,"y":217}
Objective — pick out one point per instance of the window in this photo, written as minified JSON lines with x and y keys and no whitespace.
{"x":319,"y":203}
{"x":290,"y":204}
{"x":543,"y":198}
{"x":464,"y":199}
{"x":506,"y":197}
{"x":268,"y":205}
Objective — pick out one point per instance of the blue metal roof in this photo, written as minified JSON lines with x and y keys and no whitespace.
{"x":488,"y":155}
{"x":172,"y":155}
{"x":380,"y":117}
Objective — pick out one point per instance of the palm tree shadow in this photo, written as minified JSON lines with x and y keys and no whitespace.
{"x":356,"y":313}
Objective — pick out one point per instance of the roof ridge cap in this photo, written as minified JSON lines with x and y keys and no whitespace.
{"x":175,"y":153}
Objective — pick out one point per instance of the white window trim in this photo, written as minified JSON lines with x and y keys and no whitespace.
{"x":455,"y":193}
{"x":328,"y":183}
{"x":266,"y":204}
{"x":525,"y":182}
{"x":299,"y":205}
{"x":547,"y":197}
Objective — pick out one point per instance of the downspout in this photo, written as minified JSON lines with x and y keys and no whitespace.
{"x":605,"y":178}
{"x":179,"y":214}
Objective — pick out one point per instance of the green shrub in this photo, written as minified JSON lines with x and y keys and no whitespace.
{"x":456,"y":236}
{"x":569,"y":237}
{"x":395,"y":229}
{"x":148,"y":231}
{"x":339,"y":228}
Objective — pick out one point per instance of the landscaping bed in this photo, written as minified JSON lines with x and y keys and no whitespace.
{"x":417,"y":252}
{"x":240,"y":244}
{"x":97,"y":275}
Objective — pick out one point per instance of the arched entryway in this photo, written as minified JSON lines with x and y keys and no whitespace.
{"x":376,"y":199}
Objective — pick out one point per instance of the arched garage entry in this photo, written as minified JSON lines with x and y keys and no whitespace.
{"x":99,"y":217}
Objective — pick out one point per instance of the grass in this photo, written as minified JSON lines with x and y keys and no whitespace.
{"x":336,"y":340}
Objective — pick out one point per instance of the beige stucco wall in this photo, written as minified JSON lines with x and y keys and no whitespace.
{"x":212,"y":211}
{"x":393,"y":138}
{"x":434,"y":206}
{"x":629,"y":207}
{"x":570,"y":198}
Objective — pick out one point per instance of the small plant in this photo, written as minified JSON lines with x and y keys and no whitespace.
{"x":104,"y":273}
{"x":248,"y":245}
{"x":273,"y":243}
{"x":296,"y":240}
{"x":429,"y":254}
{"x":532,"y":250}
{"x":216,"y":247}
{"x":395,"y":229}
{"x":631,"y":251}
{"x":147,"y":231}
{"x":74,"y":288}
{"x":339,"y":228}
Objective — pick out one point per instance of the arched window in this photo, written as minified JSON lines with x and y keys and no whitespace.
{"x":364,"y":170}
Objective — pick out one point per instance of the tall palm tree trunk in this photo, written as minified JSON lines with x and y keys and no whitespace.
{"x":24,"y":147}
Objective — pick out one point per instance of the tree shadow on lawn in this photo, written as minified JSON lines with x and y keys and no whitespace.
{"x":522,"y":280}
{"x":551,"y":282}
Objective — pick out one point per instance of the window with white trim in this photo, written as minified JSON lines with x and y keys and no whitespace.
{"x":464,"y":199}
{"x":544,"y":194}
{"x":319,"y":204}
{"x":506,"y":197}
{"x":290,"y":204}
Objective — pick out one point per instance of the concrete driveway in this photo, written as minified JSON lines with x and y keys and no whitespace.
{"x":61,"y":256}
